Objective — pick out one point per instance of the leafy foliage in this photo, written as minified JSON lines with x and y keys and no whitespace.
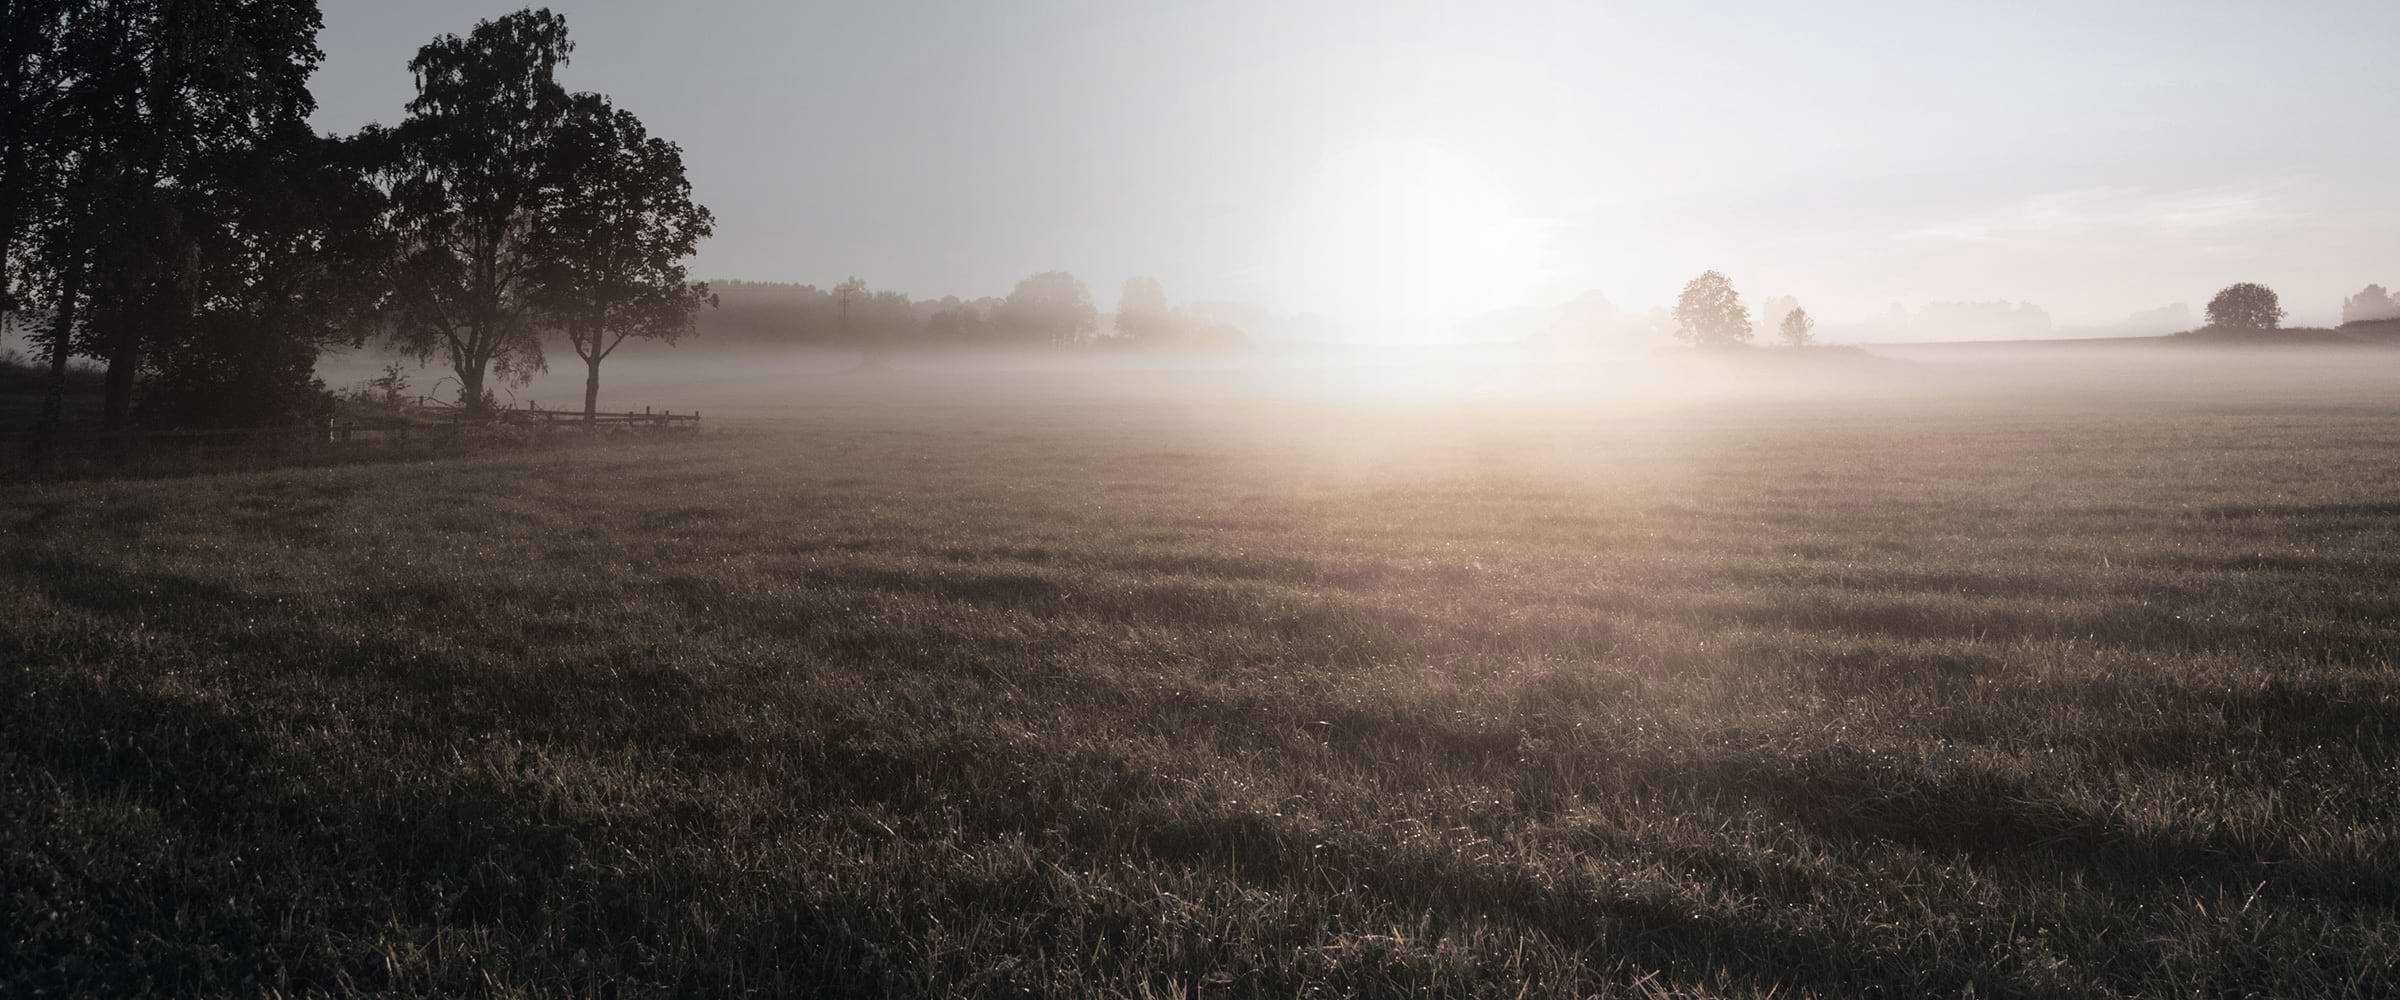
{"x":1797,"y":329}
{"x":2245,"y":306}
{"x":295,"y":263}
{"x":2371,"y":304}
{"x":613,"y":242}
{"x":472,"y":171}
{"x":133,"y":112}
{"x":1142,"y":313}
{"x":1709,"y":313}
{"x":1051,"y":307}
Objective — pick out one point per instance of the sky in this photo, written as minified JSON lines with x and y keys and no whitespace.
{"x":1410,"y":166}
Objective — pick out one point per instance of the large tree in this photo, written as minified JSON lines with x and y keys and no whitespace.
{"x":1709,"y":313}
{"x":2245,"y":306}
{"x":615,"y":241}
{"x":129,"y":106}
{"x":472,"y":177}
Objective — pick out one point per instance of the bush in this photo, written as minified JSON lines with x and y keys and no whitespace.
{"x":232,"y":375}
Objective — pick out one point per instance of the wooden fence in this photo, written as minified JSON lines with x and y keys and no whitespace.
{"x":427,"y":416}
{"x":422,"y":422}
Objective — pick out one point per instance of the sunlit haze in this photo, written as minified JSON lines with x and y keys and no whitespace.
{"x":1397,"y":171}
{"x":1168,"y":498}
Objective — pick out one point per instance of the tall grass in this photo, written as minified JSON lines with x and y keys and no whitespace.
{"x":979,"y":694}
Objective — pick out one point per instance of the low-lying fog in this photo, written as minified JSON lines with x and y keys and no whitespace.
{"x":789,"y":382}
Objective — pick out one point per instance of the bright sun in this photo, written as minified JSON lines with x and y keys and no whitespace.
{"x":1405,"y":239}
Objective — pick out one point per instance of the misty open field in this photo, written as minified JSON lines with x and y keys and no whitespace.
{"x":2037,"y":682}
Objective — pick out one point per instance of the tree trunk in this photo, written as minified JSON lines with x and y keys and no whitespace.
{"x":591,"y":389}
{"x":470,"y":388}
{"x":62,"y":343}
{"x":124,"y":359}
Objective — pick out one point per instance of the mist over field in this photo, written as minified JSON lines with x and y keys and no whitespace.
{"x":770,"y":384}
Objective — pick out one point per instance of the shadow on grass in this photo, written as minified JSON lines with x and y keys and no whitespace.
{"x":107,"y":590}
{"x":1856,"y":796}
{"x":2350,"y":626}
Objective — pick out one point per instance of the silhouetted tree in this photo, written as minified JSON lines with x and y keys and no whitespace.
{"x":292,"y":261}
{"x":1052,"y":307}
{"x":469,"y":168}
{"x":1709,"y":313}
{"x":34,"y":79}
{"x":852,"y":290}
{"x":957,"y":320}
{"x":614,"y":241}
{"x":1142,"y":313}
{"x":1797,"y":328}
{"x":2245,"y":306}
{"x":129,"y":106}
{"x":2370,"y":304}
{"x":50,"y":162}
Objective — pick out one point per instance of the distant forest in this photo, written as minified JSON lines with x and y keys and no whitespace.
{"x":1053,"y":308}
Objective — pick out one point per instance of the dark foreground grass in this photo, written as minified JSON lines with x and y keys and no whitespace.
{"x":1996,"y":693}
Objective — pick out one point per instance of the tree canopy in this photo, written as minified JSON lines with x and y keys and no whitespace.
{"x":612,"y":245}
{"x":472,"y":175}
{"x":1142,"y":313}
{"x":1052,"y":307}
{"x":1797,"y":329}
{"x":2245,"y":306}
{"x":2372,"y":303}
{"x":129,"y":120}
{"x":1709,"y":313}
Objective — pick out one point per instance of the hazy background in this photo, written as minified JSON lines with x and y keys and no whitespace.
{"x":1408,"y":167}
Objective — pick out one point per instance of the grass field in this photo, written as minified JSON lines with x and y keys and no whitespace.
{"x":2074,"y":684}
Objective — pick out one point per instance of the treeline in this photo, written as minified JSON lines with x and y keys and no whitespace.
{"x":166,"y":210}
{"x":1050,"y":309}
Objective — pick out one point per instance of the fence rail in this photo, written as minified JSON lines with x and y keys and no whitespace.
{"x":421,"y":421}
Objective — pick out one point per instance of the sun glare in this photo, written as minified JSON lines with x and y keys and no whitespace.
{"x":1409,"y":238}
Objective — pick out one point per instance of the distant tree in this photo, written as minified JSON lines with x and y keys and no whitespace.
{"x":613,"y":244}
{"x":389,"y":388}
{"x":1797,"y":328}
{"x":849,"y":292}
{"x":470,"y":170}
{"x":2245,"y":306}
{"x":1772,"y":311}
{"x":2371,"y":304}
{"x":1050,"y":307}
{"x":1142,"y":313}
{"x":955,"y":320}
{"x":1709,"y":313}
